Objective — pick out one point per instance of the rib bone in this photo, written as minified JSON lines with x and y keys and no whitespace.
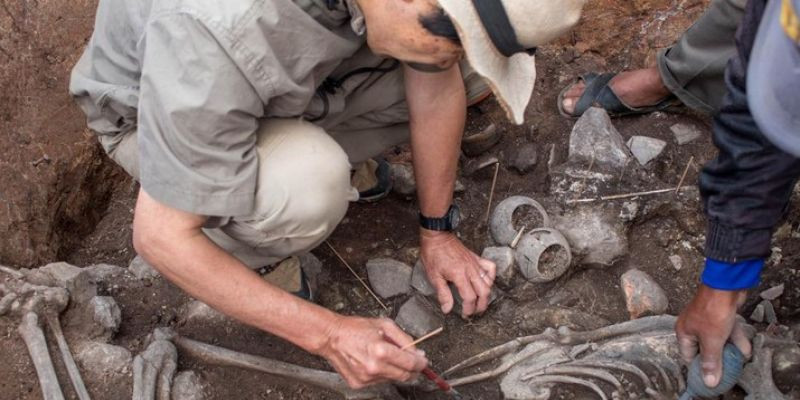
{"x":33,"y":336}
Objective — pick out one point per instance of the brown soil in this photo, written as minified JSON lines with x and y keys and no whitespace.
{"x":81,"y":209}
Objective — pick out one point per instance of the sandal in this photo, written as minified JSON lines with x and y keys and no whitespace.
{"x":599,"y":94}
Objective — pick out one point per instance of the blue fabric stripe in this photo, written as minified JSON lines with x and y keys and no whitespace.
{"x":732,"y":276}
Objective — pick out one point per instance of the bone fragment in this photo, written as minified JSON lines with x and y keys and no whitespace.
{"x":66,"y":355}
{"x":34,"y":339}
{"x":153,"y":371}
{"x":11,"y":272}
{"x":323,"y":379}
{"x":756,"y":379}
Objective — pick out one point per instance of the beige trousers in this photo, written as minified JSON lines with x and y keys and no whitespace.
{"x":303,"y":187}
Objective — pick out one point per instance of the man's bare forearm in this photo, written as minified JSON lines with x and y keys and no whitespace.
{"x":437,"y":108}
{"x":174,"y":244}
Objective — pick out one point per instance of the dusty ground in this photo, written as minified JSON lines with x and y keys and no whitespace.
{"x":615,"y":35}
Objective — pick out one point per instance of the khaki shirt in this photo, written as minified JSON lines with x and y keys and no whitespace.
{"x":194,"y":76}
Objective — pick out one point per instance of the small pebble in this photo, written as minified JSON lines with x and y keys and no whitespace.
{"x":677,"y":262}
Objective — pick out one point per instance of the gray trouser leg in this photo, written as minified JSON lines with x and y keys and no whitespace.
{"x":694,"y":68}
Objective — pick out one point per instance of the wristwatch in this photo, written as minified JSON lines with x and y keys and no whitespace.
{"x":448,"y":223}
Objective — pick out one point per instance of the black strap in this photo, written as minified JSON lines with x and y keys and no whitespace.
{"x":498,"y":26}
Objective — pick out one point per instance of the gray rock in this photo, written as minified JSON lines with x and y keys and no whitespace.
{"x":677,"y":262}
{"x":102,"y":359}
{"x":503,"y":257}
{"x":685,"y":133}
{"x":187,"y":385}
{"x":595,"y":233}
{"x":404,"y":181}
{"x":595,"y":137}
{"x":773,"y":293}
{"x":524,"y":158}
{"x":104,"y":316}
{"x":418,"y":317}
{"x":642,"y":294}
{"x":758,"y":314}
{"x":388,"y":277}
{"x":646,"y":149}
{"x":77,"y":281}
{"x":141,"y":269}
{"x":103,"y":272}
{"x":419,"y":280}
{"x":769,"y":312}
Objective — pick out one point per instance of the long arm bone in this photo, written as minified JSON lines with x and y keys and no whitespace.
{"x":69,"y":362}
{"x":568,"y":337}
{"x":323,"y":379}
{"x":33,"y":336}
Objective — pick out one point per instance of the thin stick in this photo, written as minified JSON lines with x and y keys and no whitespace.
{"x":515,"y":242}
{"x":624,"y":196}
{"x":583,"y":182}
{"x":685,"y":171}
{"x":491,"y":193}
{"x":357,"y":277}
{"x":422,"y":339}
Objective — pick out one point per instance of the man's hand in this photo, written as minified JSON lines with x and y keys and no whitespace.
{"x":446,"y":259}
{"x":707,"y":323}
{"x":358,"y":349}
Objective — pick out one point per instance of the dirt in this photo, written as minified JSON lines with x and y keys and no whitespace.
{"x":78,"y":207}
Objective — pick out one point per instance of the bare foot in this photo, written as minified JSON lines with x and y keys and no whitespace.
{"x":637,"y":88}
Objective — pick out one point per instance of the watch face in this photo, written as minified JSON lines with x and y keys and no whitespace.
{"x":455,"y":217}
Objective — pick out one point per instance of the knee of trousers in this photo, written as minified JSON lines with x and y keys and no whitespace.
{"x":303,"y":189}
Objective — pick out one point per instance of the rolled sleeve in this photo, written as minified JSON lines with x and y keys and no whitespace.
{"x":198,"y":115}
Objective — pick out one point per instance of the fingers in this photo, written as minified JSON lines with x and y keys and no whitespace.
{"x":443,"y":293}
{"x":481,"y":288}
{"x":711,"y":360}
{"x":740,"y":338}
{"x":489,"y":268}
{"x":687,"y":344}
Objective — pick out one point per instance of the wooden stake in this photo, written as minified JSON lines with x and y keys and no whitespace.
{"x":422,"y":339}
{"x":357,"y":277}
{"x":685,"y":171}
{"x":625,"y":196}
{"x":515,"y":242}
{"x":491,"y":193}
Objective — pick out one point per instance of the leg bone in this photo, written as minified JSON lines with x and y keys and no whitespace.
{"x":757,"y":377}
{"x":34,"y":339}
{"x":66,"y":355}
{"x":323,"y":379}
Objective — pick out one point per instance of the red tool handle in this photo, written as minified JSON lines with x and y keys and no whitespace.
{"x":433,"y":376}
{"x":438,"y":380}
